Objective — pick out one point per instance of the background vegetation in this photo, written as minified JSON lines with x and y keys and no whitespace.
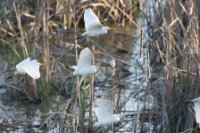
{"x":46,"y":30}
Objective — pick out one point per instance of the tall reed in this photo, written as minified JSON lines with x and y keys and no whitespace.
{"x":176,"y":41}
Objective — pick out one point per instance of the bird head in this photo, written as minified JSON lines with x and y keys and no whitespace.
{"x":194,"y":100}
{"x":76,"y":72}
{"x":94,"y":69}
{"x":118,"y":117}
{"x":108,"y":28}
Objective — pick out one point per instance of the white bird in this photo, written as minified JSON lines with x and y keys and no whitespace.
{"x":92,"y":24}
{"x":196,"y":102}
{"x":30,"y":67}
{"x":104,"y":112}
{"x":84,"y":63}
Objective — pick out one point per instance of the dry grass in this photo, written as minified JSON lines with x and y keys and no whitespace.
{"x":34,"y":28}
{"x":176,"y":40}
{"x":38,"y":29}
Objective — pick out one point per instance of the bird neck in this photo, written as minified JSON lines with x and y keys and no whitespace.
{"x":117,"y":117}
{"x":105,"y":29}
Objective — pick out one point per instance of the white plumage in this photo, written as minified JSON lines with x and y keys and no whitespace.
{"x":84,"y":63}
{"x":30,"y":67}
{"x":196,"y":102}
{"x":104,"y":112}
{"x":92,"y":24}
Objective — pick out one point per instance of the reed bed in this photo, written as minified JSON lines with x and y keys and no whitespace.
{"x":28,"y":27}
{"x":45,"y":30}
{"x":175,"y":72}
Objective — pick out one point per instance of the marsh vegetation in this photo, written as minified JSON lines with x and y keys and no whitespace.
{"x":148,"y":65}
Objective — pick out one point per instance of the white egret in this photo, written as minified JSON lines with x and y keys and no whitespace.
{"x":30,"y":67}
{"x":84,"y":63}
{"x":196,"y":102}
{"x":104,"y":112}
{"x":92,"y":24}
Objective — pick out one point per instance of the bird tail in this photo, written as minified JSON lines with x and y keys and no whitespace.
{"x":82,"y":36}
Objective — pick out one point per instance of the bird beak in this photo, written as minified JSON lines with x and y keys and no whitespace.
{"x":191,"y":101}
{"x":109,"y":28}
{"x":16,"y":72}
{"x":187,"y":102}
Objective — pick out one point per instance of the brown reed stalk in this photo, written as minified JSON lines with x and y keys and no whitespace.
{"x":30,"y":83}
{"x":21,"y":40}
{"x":36,"y":28}
{"x":141,"y":43}
{"x":45,"y":31}
{"x":79,"y":100}
{"x":179,"y":49}
{"x":78,"y":81}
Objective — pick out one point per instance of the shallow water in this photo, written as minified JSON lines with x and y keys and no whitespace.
{"x":126,"y":82}
{"x":120,"y":44}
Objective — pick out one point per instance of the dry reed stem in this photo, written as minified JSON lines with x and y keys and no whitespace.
{"x":179,"y":49}
{"x":21,"y":40}
{"x":43,"y":20}
{"x":45,"y":37}
{"x":141,"y":43}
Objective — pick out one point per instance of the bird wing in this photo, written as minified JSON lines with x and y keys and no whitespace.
{"x":105,"y":107}
{"x":197,"y":111}
{"x":85,"y":58}
{"x":196,"y":99}
{"x":21,"y":66}
{"x":91,"y":20}
{"x":32,"y":69}
{"x":74,"y":67}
